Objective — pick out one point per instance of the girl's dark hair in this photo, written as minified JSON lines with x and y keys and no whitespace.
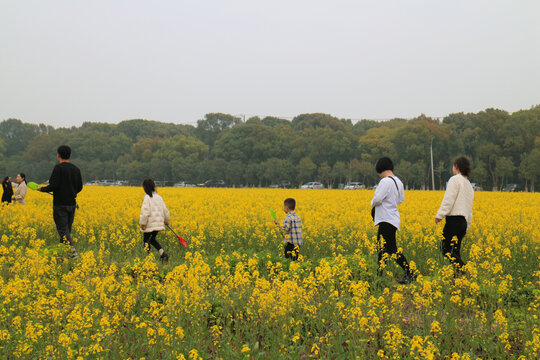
{"x":23,"y":175}
{"x":384,"y":164}
{"x":464,"y":166}
{"x":149,"y":186}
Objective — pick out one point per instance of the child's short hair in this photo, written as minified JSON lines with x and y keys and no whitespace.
{"x":290,"y":203}
{"x":149,"y":186}
{"x":384,"y":164}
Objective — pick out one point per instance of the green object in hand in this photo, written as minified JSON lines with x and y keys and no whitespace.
{"x":273,"y":213}
{"x":32,"y":185}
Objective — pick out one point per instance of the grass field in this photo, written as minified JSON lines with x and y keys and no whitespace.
{"x":232,"y":295}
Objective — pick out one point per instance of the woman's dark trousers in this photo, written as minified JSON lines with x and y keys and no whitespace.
{"x":455,"y":227}
{"x":388,"y":233}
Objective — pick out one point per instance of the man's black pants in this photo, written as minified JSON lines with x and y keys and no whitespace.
{"x":63,"y":218}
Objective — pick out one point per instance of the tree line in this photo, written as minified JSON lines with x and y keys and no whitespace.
{"x":503,"y":147}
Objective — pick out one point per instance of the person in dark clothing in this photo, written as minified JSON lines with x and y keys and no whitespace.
{"x":65,"y":183}
{"x":7,"y":190}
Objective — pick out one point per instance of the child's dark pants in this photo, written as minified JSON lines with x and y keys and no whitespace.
{"x":290,"y":252}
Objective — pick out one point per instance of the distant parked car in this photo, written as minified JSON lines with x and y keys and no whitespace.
{"x":283,"y":184}
{"x":312,"y":185}
{"x":476,"y":187}
{"x":212,"y":183}
{"x":511,"y":188}
{"x":354,"y":186}
{"x":183,"y":184}
{"x":106,"y":182}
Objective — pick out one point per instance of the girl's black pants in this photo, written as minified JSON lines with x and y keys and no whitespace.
{"x":150,"y":238}
{"x":455,"y":227}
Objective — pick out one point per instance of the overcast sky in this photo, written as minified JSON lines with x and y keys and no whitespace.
{"x":66,"y":62}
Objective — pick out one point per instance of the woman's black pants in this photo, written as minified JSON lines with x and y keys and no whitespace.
{"x":455,"y":227}
{"x":389,"y":246}
{"x":150,"y":238}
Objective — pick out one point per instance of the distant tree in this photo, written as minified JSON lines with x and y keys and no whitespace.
{"x":367,"y":172}
{"x":339,"y":171}
{"x":403,"y":171}
{"x":306,"y":170}
{"x":479,"y":173}
{"x":253,"y":174}
{"x":320,"y":120}
{"x":16,"y":135}
{"x":530,"y":166}
{"x":274,"y":121}
{"x":209,"y":128}
{"x":504,"y":168}
{"x":440,"y":170}
{"x":488,"y":153}
{"x":354,"y":170}
{"x":234,"y":173}
{"x":324,"y":174}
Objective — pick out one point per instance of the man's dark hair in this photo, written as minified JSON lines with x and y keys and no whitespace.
{"x":149,"y":186}
{"x":464,"y":166}
{"x":290,"y":203}
{"x":384,"y":164}
{"x":64,"y":151}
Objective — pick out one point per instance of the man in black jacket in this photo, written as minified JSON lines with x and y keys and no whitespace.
{"x":65,"y":183}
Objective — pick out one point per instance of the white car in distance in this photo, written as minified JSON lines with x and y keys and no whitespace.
{"x":312,"y":185}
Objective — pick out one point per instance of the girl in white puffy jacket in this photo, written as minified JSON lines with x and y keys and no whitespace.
{"x":457,"y":208}
{"x":154,"y":217}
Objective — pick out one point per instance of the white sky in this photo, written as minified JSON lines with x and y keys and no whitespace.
{"x":66,"y":62}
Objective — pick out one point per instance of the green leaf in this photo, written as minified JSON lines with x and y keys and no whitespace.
{"x":273,"y":213}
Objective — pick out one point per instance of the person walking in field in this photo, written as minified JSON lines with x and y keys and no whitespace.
{"x":7,"y":189}
{"x":65,"y":183}
{"x":154,"y":216}
{"x":388,"y":195}
{"x":456,"y":207}
{"x":292,"y":226}
{"x":19,"y":195}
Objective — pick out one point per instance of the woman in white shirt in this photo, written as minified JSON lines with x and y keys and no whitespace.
{"x":456,"y":207}
{"x":154,"y":217}
{"x":388,"y":195}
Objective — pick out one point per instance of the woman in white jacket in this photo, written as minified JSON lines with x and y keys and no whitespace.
{"x":456,"y":207}
{"x":20,"y":191}
{"x":154,"y":217}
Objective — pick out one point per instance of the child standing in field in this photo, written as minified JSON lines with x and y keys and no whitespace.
{"x":292,"y":225}
{"x":154,"y":217}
